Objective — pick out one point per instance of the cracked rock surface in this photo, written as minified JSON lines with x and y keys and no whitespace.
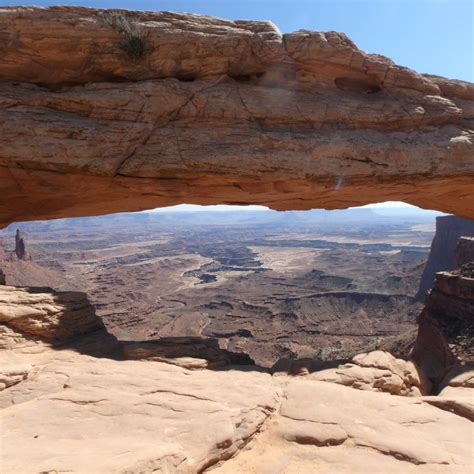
{"x":85,"y":414}
{"x":216,"y":111}
{"x":329,"y":428}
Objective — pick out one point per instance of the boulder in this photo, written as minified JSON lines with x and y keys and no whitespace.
{"x":378,"y":371}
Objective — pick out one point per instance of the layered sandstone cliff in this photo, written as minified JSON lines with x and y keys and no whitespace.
{"x":464,"y":253}
{"x":449,"y":229}
{"x":446,"y":325}
{"x":104,"y":111}
{"x":41,"y":314}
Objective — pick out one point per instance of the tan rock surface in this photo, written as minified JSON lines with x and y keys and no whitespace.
{"x":378,"y":371}
{"x":456,"y":392}
{"x":102,"y":415}
{"x":44,"y":313}
{"x":12,"y":370}
{"x":99,"y":415}
{"x":325,"y":427}
{"x":215,"y":111}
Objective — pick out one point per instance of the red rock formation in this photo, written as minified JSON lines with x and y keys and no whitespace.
{"x":113,"y":111}
{"x":448,"y":231}
{"x":2,"y":262}
{"x":20,"y":246}
{"x":446,"y":325}
{"x":464,"y":251}
{"x":45,"y":314}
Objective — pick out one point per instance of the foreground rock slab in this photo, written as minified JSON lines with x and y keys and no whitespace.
{"x":86,"y":414}
{"x":208,"y":111}
{"x":325,"y":427}
{"x":81,"y":414}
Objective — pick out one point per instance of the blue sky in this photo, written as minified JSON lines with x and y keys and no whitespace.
{"x":433,"y":36}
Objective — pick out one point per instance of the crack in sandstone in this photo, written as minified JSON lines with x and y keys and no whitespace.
{"x":268,"y":412}
{"x":163,"y":121}
{"x":79,"y":402}
{"x":395,"y":454}
{"x":188,"y":395}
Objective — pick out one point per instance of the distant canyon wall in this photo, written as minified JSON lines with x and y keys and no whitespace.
{"x":446,"y":324}
{"x":107,"y":111}
{"x":442,"y":254}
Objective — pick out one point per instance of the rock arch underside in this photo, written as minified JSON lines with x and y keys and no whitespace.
{"x":108,"y":111}
{"x":211,"y":111}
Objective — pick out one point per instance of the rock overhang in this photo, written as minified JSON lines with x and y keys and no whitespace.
{"x":214,"y":111}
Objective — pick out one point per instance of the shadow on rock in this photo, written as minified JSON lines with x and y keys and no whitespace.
{"x":67,"y":321}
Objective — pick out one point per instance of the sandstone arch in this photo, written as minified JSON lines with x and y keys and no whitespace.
{"x":215,"y":111}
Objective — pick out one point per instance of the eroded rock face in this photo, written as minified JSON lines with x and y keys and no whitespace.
{"x":446,"y":325}
{"x":20,"y":246}
{"x":449,"y":229}
{"x":464,"y":253}
{"x":41,"y":313}
{"x":186,"y":352}
{"x":200,"y":110}
{"x":377,"y":371}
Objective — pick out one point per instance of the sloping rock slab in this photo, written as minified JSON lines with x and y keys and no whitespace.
{"x":99,"y":415}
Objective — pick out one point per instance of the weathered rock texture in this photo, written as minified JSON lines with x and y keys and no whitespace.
{"x":186,"y":352}
{"x":114,"y":111}
{"x":448,"y":231}
{"x":104,"y":415}
{"x":446,"y":325}
{"x":464,"y":252}
{"x":378,"y":371}
{"x":82,"y":408}
{"x":41,"y":313}
{"x":324,"y":427}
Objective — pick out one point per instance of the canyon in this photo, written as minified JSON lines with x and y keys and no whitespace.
{"x":110,"y":369}
{"x":268,"y":284}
